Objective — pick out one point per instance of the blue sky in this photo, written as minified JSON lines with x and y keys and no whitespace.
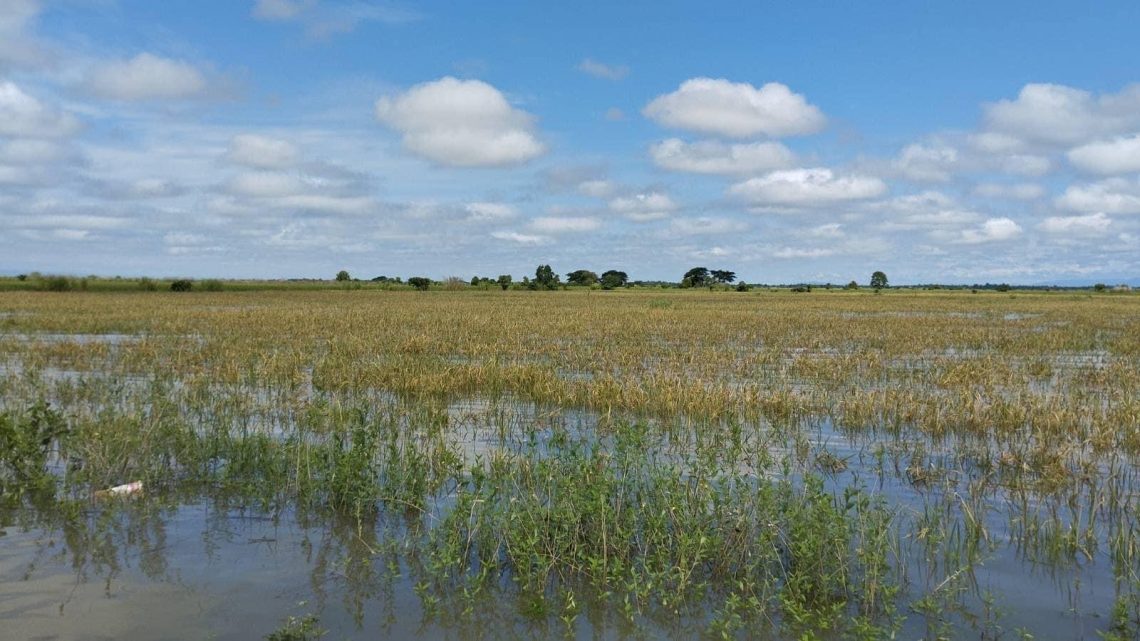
{"x":951,"y":142}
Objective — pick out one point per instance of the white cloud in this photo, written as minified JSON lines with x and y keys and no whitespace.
{"x":462,"y":123}
{"x":281,"y":9}
{"x":927,"y":163}
{"x":1024,"y":164}
{"x":803,"y":252}
{"x":1017,"y":191}
{"x":522,"y":239}
{"x":1088,"y":225}
{"x":713,"y":157}
{"x":265,"y":184}
{"x":483,"y":212}
{"x":1110,"y":196}
{"x":602,"y":70}
{"x":596,"y":188}
{"x":644,"y":207}
{"x":23,"y":116}
{"x":807,"y":188}
{"x":147,"y":77}
{"x":1116,"y":156}
{"x":829,"y":230}
{"x":992,"y":230}
{"x":16,"y":47}
{"x":325,"y":19}
{"x":705,"y":226}
{"x":562,"y":224}
{"x":261,"y":152}
{"x":736,"y":110}
{"x":1058,"y":115}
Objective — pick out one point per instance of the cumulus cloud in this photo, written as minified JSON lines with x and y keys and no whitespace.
{"x":563,"y":224}
{"x":596,"y":188}
{"x":23,"y":116}
{"x":265,"y":184}
{"x":803,"y":252}
{"x":1058,"y":115}
{"x":927,"y":163}
{"x":1088,"y":225}
{"x":644,"y":207}
{"x":602,"y":70}
{"x":17,"y":48}
{"x":705,"y":226}
{"x":807,"y":188}
{"x":992,"y":230}
{"x":485,"y":212}
{"x":1117,"y":156}
{"x":521,"y":239}
{"x":323,"y":19}
{"x":713,"y":157}
{"x":736,"y":110}
{"x":146,"y":77}
{"x":461,"y":123}
{"x":1111,"y":196}
{"x":1016,"y":191}
{"x":261,"y":152}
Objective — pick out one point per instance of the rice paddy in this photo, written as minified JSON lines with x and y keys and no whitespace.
{"x":578,"y":464}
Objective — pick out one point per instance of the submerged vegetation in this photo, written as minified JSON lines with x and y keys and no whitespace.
{"x":840,"y":465}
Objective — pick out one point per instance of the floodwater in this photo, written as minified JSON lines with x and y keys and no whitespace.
{"x":191,"y":567}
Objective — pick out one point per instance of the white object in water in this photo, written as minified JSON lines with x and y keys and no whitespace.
{"x":126,"y":489}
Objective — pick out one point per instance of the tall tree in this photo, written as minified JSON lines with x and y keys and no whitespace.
{"x":878,"y":280}
{"x":545,"y":278}
{"x":581,"y":277}
{"x":613,"y":278}
{"x":695,"y":277}
{"x":723,"y":276}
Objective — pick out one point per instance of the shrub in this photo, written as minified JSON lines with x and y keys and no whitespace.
{"x":742,"y":286}
{"x":148,"y":285}
{"x":419,"y":282}
{"x":57,"y":283}
{"x":181,"y":285}
{"x":212,"y":285}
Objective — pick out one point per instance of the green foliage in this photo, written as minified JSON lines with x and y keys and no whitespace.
{"x":544,"y":278}
{"x":297,"y":629}
{"x":878,"y":280}
{"x":723,"y":276}
{"x":342,"y":276}
{"x":612,"y":279}
{"x":696,"y":277}
{"x":504,"y":281}
{"x":57,"y":284}
{"x":212,"y":285}
{"x":583,"y":277}
{"x":852,"y":285}
{"x":181,"y":285}
{"x":26,"y":438}
{"x":743,"y":286}
{"x":420,"y":282}
{"x":1099,"y":287}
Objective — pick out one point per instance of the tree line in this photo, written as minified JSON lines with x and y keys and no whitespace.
{"x":545,"y":278}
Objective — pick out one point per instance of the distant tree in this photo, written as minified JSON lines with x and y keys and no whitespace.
{"x":21,"y":277}
{"x":475,"y":281}
{"x":419,"y":282}
{"x":504,"y":281}
{"x":181,"y":285}
{"x":1002,"y":287}
{"x":878,"y":280}
{"x":696,"y":277}
{"x":742,"y":286}
{"x":613,"y":279}
{"x":723,"y":276}
{"x":342,"y":275}
{"x":545,"y":278}
{"x":582,"y":277}
{"x":852,"y":285}
{"x":1099,"y":287}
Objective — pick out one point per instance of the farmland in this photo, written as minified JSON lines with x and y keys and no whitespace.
{"x":640,"y":463}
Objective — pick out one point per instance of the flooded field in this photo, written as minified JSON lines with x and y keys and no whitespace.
{"x":360,"y":464}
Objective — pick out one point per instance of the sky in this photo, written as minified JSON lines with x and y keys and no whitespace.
{"x":953,"y":142}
